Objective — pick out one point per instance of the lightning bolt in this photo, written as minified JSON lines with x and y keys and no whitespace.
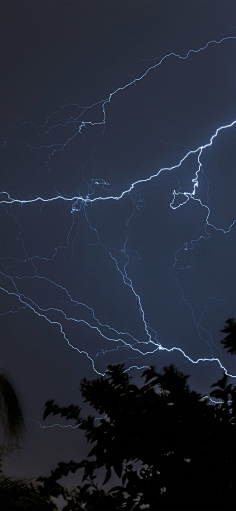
{"x":100,"y":192}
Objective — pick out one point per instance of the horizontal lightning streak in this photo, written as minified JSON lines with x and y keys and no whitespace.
{"x":89,"y":200}
{"x":22,"y":299}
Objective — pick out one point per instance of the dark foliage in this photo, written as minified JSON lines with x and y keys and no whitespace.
{"x":229,"y":341}
{"x":18,"y":494}
{"x":171,"y":448}
{"x":22,"y":494}
{"x":10,"y":411}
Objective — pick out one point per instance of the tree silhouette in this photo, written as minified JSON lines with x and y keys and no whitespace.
{"x":19,"y":494}
{"x":170,"y":447}
{"x":23,"y":495}
{"x":229,"y":341}
{"x":10,"y":411}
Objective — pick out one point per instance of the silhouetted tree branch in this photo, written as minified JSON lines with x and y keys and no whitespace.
{"x":10,"y":411}
{"x":229,"y":341}
{"x":170,"y":447}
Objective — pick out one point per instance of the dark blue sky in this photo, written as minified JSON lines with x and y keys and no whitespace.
{"x":97,"y":268}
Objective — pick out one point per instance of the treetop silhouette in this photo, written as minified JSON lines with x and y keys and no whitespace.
{"x":170,"y":447}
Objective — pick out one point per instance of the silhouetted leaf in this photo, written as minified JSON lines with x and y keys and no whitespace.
{"x":108,"y":475}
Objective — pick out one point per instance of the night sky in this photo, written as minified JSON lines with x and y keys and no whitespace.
{"x":117,"y":193}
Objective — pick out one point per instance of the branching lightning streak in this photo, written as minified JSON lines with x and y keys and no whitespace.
{"x":103,"y":103}
{"x":123,"y":340}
